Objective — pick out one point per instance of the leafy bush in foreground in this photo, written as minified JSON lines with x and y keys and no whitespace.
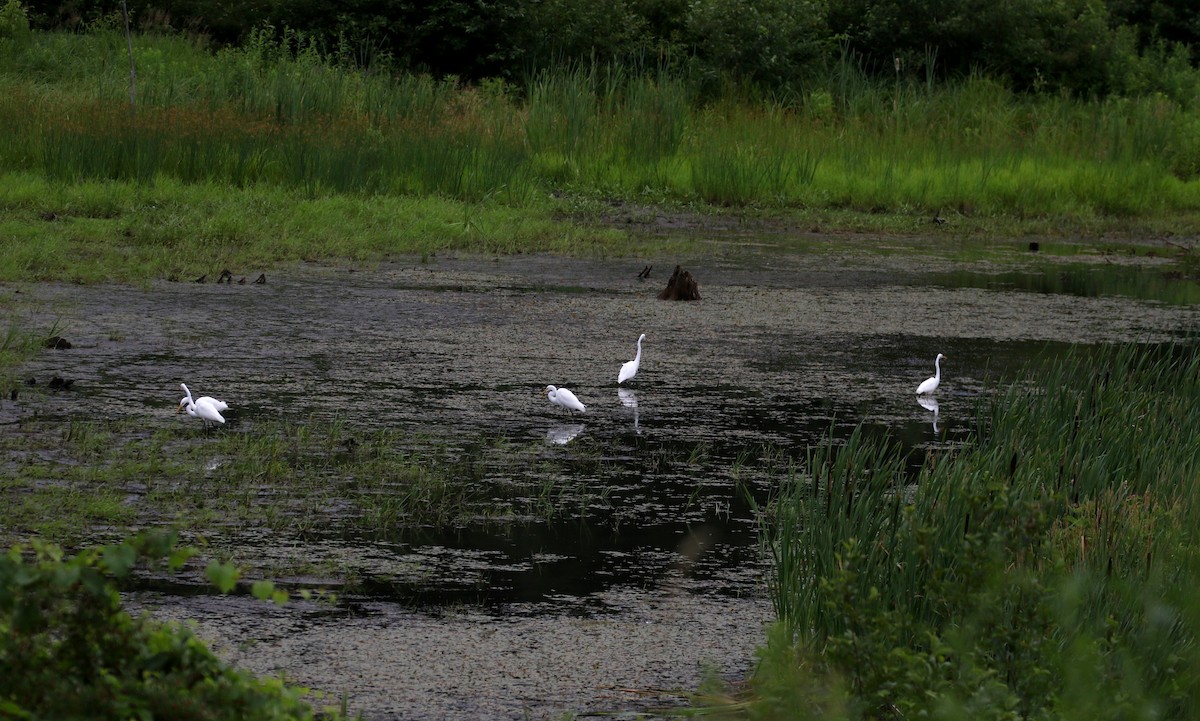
{"x":69,"y":650}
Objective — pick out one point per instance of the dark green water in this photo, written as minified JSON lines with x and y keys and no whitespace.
{"x":665,"y":471}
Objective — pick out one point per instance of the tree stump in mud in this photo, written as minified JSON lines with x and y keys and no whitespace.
{"x":681,"y":286}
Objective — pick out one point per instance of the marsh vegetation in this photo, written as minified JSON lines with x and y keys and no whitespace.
{"x":1025,"y":555}
{"x":1040,"y":570}
{"x":334,"y":161}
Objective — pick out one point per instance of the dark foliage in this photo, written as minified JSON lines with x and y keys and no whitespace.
{"x":1083,"y":47}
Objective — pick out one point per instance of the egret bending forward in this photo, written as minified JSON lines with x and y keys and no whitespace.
{"x":564,"y":399}
{"x":206,"y":408}
{"x":930,"y":385}
{"x":220,"y":405}
{"x":630,"y":368}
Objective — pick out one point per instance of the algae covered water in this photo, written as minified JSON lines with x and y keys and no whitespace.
{"x":589,"y":536}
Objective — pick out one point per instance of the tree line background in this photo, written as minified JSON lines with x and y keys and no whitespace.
{"x":1081,"y":47}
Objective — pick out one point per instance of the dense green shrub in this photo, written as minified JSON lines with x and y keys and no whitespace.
{"x":14,"y":24}
{"x":69,"y":650}
{"x":1175,"y":22}
{"x":772,"y":47}
{"x":1034,"y":44}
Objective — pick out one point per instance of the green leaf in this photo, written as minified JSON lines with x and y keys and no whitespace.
{"x":66,"y":576}
{"x":10,"y":710}
{"x":27,"y":616}
{"x":280,"y":597}
{"x":180,"y":556}
{"x":25,"y":576}
{"x":118,"y":559}
{"x":222,"y":575}
{"x":262,"y":590}
{"x":94,"y":583}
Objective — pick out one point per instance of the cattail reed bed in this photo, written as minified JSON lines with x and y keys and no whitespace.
{"x":1046,"y":570}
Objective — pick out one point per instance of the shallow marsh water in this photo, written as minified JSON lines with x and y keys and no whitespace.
{"x":652,"y":571}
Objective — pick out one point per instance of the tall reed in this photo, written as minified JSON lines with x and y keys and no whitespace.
{"x":1053,"y":553}
{"x":281,"y":112}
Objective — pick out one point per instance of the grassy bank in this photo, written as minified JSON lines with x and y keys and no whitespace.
{"x":94,"y":231}
{"x":1043,"y":572}
{"x":121,"y":231}
{"x":270,"y":152}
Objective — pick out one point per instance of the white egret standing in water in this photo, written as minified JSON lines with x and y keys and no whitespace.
{"x":564,"y":398}
{"x":930,"y":385}
{"x":630,"y":368}
{"x":206,"y":408}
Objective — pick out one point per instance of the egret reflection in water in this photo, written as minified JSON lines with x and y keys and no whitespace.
{"x":562,"y":435}
{"x":930,"y":403}
{"x":629,"y":400}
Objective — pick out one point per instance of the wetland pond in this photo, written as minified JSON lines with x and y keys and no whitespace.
{"x":611,"y":558}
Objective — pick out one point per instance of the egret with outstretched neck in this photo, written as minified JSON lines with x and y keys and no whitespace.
{"x":630,"y":368}
{"x":930,"y":385}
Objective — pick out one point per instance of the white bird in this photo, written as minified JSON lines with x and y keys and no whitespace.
{"x":930,"y":385}
{"x":565,"y":399}
{"x":630,"y":368}
{"x":206,"y":408}
{"x":220,"y":405}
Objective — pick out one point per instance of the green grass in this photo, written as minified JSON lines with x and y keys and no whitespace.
{"x":270,"y":153}
{"x":115,"y":231}
{"x":20,"y":340}
{"x":110,"y":231}
{"x":91,"y":480}
{"x":1044,"y":570}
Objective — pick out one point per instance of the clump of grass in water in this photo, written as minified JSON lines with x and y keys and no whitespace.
{"x":1045,"y":570}
{"x":293,"y":478}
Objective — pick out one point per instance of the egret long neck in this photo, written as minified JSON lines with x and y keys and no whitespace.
{"x":937,"y":367}
{"x":638,"y":358}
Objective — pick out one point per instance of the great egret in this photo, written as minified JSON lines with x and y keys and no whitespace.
{"x":206,"y":408}
{"x":220,"y":405}
{"x":930,"y":385}
{"x":564,"y":398}
{"x":630,"y":368}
